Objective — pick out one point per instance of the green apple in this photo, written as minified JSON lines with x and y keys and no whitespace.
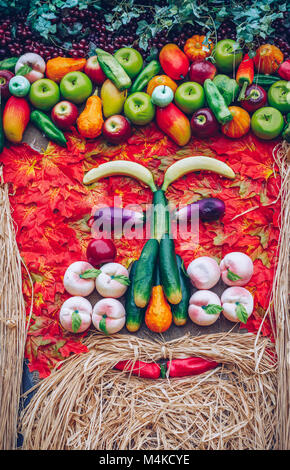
{"x":76,"y":87}
{"x":44,"y":94}
{"x":267,"y":123}
{"x":189,"y":97}
{"x":279,"y":96}
{"x":130,"y":59}
{"x":139,"y":109}
{"x":228,"y":55}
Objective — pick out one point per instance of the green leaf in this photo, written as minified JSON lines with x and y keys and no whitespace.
{"x":76,"y":321}
{"x":90,"y":274}
{"x":232,"y":276}
{"x":122,"y":279}
{"x":212,"y":309}
{"x":102,"y":325}
{"x":241,"y":312}
{"x":24,"y":70}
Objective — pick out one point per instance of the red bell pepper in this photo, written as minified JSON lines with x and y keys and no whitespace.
{"x":189,"y":366}
{"x":245,"y":75}
{"x":284,"y":70}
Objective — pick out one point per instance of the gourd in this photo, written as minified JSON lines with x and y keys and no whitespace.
{"x":267,"y":59}
{"x":158,"y":316}
{"x":239,"y":125}
{"x":195,"y":49}
{"x":90,"y":121}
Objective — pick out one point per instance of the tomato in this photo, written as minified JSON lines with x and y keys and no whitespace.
{"x":101,"y":251}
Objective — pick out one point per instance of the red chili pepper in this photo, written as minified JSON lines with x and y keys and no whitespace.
{"x":142,"y":369}
{"x":189,"y":366}
{"x":284,"y":70}
{"x":245,"y":75}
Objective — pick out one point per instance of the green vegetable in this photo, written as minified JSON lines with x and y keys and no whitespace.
{"x":152,"y":69}
{"x":180,"y":311}
{"x":265,"y":80}
{"x":286,"y":131}
{"x":9,"y":64}
{"x":216,"y":102}
{"x":228,"y":87}
{"x":113,"y":70}
{"x":134,"y":314}
{"x":241,"y":312}
{"x":2,"y":137}
{"x":169,"y":273}
{"x":144,"y":276}
{"x":45,"y":125}
{"x":160,"y":218}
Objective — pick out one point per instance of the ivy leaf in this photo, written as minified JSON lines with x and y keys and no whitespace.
{"x":90,"y":274}
{"x":25,"y":69}
{"x":233,"y":276}
{"x":212,"y":309}
{"x":122,"y":279}
{"x":76,"y":321}
{"x":241,"y":312}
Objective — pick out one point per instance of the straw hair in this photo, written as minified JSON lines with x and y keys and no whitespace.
{"x":87,"y":405}
{"x":12,"y":325}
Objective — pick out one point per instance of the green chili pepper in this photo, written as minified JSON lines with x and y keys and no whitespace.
{"x":8,"y":64}
{"x":216,"y":102}
{"x":113,"y":70}
{"x":2,"y":139}
{"x":45,"y":125}
{"x":152,"y":69}
{"x":228,"y":87}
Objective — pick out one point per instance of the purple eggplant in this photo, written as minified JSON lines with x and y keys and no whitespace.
{"x":210,"y":209}
{"x":114,"y":218}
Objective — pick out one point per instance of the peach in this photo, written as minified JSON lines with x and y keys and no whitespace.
{"x":76,"y":314}
{"x":204,"y":307}
{"x":237,"y":303}
{"x":72,"y":281}
{"x":107,"y":283}
{"x":109,"y":316}
{"x":204,"y":272}
{"x":236,"y":269}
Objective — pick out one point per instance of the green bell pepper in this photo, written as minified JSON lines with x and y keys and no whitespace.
{"x":49,"y":129}
{"x":228,"y":87}
{"x":9,"y":64}
{"x":151,"y":69}
{"x":113,"y":70}
{"x":216,"y":102}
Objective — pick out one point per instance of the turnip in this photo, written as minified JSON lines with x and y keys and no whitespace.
{"x":237,"y":303}
{"x":32,"y":65}
{"x":236,"y":269}
{"x":76,"y":314}
{"x":113,"y":280}
{"x":74,"y":284}
{"x":109,"y":316}
{"x":204,"y":272}
{"x":204,"y":307}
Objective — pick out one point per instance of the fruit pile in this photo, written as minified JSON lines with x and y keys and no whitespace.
{"x":201,"y":90}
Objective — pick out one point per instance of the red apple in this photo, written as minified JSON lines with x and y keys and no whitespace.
{"x":5,"y":77}
{"x":116,"y":129}
{"x":64,"y":114}
{"x":93,"y":70}
{"x":203,"y":123}
{"x":200,"y":70}
{"x":100,"y":251}
{"x":255,"y":98}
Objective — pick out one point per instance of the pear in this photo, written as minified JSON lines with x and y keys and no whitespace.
{"x":113,"y":99}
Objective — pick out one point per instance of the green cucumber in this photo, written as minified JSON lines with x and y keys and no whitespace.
{"x":265,"y":80}
{"x":180,"y":311}
{"x":160,"y":221}
{"x":144,"y":275}
{"x":134,"y":314}
{"x":169,"y":273}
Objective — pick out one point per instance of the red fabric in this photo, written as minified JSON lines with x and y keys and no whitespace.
{"x":51,"y":208}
